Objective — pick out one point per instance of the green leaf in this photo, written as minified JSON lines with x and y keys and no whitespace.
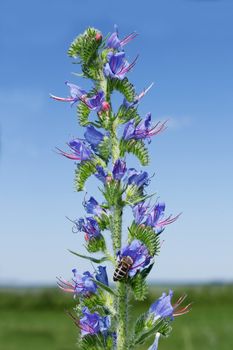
{"x":96,"y":244}
{"x":146,"y":235}
{"x":94,"y":260}
{"x":91,"y":342}
{"x":104,"y":148}
{"x":103,"y":286}
{"x":162,"y":326}
{"x":113,"y":192}
{"x":137,"y":147}
{"x":139,"y":287}
{"x":83,"y":113}
{"x":124,"y":87}
{"x":125,"y":114}
{"x":84,"y":170}
{"x":134,"y":194}
{"x":85,"y":45}
{"x":103,"y":221}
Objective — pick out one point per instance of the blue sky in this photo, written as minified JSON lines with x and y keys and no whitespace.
{"x":185,"y":47}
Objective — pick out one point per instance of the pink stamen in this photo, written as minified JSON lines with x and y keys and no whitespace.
{"x":125,"y":69}
{"x":63,"y":99}
{"x":68,"y":155}
{"x":128,"y":38}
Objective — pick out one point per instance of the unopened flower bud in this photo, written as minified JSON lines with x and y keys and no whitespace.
{"x":105,"y":106}
{"x":108,"y":179}
{"x":98,"y":37}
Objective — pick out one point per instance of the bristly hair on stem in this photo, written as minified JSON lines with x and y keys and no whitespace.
{"x":102,"y":311}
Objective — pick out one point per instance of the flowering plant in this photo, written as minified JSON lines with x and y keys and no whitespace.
{"x":102,"y":310}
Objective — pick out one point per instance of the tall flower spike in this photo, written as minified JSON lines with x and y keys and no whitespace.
{"x":115,"y":43}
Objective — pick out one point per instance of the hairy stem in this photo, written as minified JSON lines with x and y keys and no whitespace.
{"x":122,"y":312}
{"x":121,"y":299}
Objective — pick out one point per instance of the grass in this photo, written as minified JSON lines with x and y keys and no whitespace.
{"x":35,"y":319}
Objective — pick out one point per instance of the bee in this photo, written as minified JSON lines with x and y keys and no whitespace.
{"x":123,"y":268}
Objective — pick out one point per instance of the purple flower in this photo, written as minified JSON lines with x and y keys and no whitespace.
{"x":101,"y":174}
{"x":89,"y":226}
{"x":94,"y":103}
{"x":139,"y":212}
{"x":93,"y":136}
{"x":119,"y":169}
{"x":93,"y":323}
{"x":115,"y":43}
{"x":143,"y":129}
{"x":117,"y":66}
{"x":155,"y":219}
{"x":137,"y":98}
{"x":138,"y":252}
{"x":76,"y":94}
{"x":101,"y":275}
{"x":138,"y":178}
{"x":79,"y":149}
{"x":81,"y":285}
{"x":163,"y":308}
{"x":93,"y":207}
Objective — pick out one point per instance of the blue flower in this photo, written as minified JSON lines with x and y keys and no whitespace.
{"x":89,"y":226}
{"x":138,"y":178}
{"x":154,"y":346}
{"x":93,"y":136}
{"x":101,"y":275}
{"x":162,"y":308}
{"x":142,"y":130}
{"x":93,"y":207}
{"x":139,"y":212}
{"x":81,"y":285}
{"x":76,"y":94}
{"x":155,"y":218}
{"x":101,"y":174}
{"x":79,"y":149}
{"x":94,"y":103}
{"x":117,"y":66}
{"x":115,"y":43}
{"x":139,"y":253}
{"x":119,"y":169}
{"x":93,"y":323}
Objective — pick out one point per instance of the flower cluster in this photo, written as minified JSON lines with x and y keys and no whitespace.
{"x":101,"y":312}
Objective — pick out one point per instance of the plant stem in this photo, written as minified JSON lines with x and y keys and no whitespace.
{"x":122,"y":316}
{"x":121,"y":299}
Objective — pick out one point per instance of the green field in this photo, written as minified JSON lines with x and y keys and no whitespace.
{"x":36,"y":319}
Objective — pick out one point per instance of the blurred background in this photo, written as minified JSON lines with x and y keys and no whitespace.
{"x":185,"y":48}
